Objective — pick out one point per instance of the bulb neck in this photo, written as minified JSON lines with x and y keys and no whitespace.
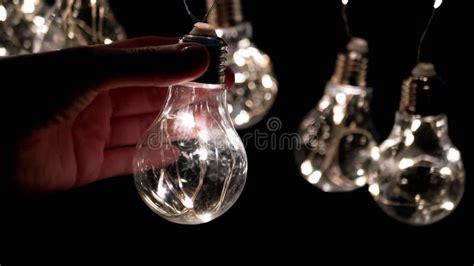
{"x":217,"y":49}
{"x":351,"y":69}
{"x":405,"y":120}
{"x":427,"y":133}
{"x":227,"y":13}
{"x":421,"y":94}
{"x":194,"y":93}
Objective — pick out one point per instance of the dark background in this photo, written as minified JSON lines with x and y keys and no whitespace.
{"x":278,"y":210}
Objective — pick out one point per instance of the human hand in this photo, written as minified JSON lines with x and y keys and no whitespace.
{"x":85,"y":108}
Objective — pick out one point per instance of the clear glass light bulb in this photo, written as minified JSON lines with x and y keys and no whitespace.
{"x":255,"y":86}
{"x":336,"y":135}
{"x":191,"y":165}
{"x":72,"y":23}
{"x":417,"y":176}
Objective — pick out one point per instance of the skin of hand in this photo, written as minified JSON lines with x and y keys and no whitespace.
{"x":83,"y":109}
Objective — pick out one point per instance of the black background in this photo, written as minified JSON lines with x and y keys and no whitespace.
{"x":278,"y":210}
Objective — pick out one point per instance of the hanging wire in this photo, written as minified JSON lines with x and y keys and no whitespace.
{"x":196,"y":19}
{"x":189,"y":11}
{"x":209,"y":11}
{"x":436,"y":5}
{"x":346,"y":20}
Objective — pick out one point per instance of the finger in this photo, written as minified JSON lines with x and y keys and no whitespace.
{"x":126,"y":131}
{"x":138,"y":100}
{"x":143,"y":42}
{"x":148,"y":41}
{"x":159,"y":66}
{"x":119,"y":161}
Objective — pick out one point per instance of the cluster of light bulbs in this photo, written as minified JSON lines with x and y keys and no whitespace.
{"x":416,"y":175}
{"x":29,"y":26}
{"x":191,"y":165}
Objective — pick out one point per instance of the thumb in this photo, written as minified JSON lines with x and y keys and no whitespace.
{"x":157,"y":66}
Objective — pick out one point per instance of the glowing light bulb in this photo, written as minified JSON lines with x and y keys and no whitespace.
{"x":191,"y":165}
{"x":337,"y":143}
{"x":255,"y":86}
{"x":72,"y":23}
{"x":419,"y":178}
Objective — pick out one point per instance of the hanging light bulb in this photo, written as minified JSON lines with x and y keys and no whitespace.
{"x":418,"y":177}
{"x":336,"y":135}
{"x":191,"y":166}
{"x":255,"y":86}
{"x":72,"y":23}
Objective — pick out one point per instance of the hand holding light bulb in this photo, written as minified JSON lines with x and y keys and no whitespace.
{"x":72,"y":132}
{"x":418,"y":176}
{"x":191,"y":165}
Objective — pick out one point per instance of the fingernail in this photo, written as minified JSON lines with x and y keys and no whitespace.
{"x":184,"y":47}
{"x":193,"y":51}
